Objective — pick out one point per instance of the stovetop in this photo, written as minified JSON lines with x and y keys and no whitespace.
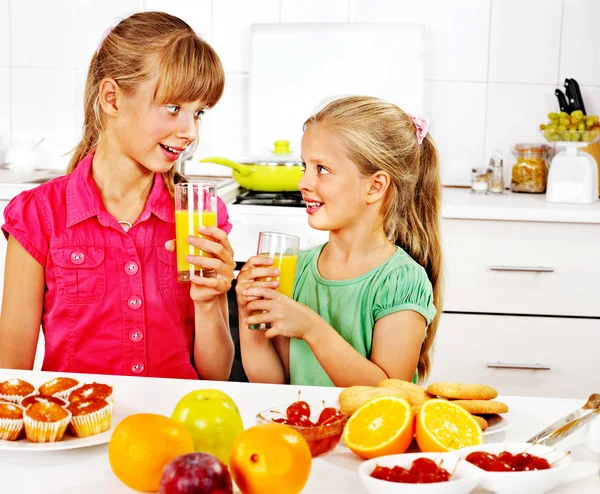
{"x":253,"y":198}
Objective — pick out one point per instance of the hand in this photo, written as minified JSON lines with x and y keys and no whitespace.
{"x":256,"y":267}
{"x":286,"y":316}
{"x":215,"y":241}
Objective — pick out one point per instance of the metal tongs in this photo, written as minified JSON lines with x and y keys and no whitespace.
{"x":569,"y":423}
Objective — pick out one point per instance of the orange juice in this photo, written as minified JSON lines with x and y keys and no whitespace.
{"x":184,"y":227}
{"x":287,"y":273}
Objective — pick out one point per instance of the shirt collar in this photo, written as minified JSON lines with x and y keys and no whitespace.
{"x":84,"y":200}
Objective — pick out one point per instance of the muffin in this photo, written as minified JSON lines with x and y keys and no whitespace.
{"x":31,"y":399}
{"x":60,"y":387}
{"x":11,"y":421}
{"x":15,"y":390}
{"x":94,"y":390}
{"x":89,"y":416}
{"x":45,"y":422}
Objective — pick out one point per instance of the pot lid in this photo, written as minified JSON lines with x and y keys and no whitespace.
{"x":281,"y":155}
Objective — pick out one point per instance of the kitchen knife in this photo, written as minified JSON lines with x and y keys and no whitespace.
{"x":574,"y":95}
{"x":563,"y":104}
{"x":569,"y":423}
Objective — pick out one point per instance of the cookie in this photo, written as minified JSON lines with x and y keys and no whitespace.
{"x":352,"y":398}
{"x":481,"y":421}
{"x":482,"y":406}
{"x":415,"y":395}
{"x":459,"y":391}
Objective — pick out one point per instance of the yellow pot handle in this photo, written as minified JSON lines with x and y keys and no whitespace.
{"x":243,"y":170}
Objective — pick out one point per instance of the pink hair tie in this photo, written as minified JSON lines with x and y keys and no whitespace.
{"x":103,"y":37}
{"x":422,"y":126}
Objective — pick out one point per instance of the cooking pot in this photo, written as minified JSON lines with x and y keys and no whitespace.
{"x":279,"y":171}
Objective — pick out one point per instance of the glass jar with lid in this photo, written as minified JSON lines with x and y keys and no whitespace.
{"x":529,"y":171}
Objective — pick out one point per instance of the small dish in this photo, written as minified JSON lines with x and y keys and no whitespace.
{"x":321,"y":439}
{"x":531,"y":482}
{"x":464,"y":476}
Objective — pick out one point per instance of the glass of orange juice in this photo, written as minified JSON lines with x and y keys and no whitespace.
{"x":195,"y":206}
{"x":283,"y":249}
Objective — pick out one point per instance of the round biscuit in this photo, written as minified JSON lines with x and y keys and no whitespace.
{"x":481,"y":421}
{"x":461,"y":391}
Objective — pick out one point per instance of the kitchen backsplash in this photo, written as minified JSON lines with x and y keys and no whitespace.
{"x":491,"y":68}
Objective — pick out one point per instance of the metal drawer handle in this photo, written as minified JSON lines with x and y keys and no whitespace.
{"x":530,"y":269}
{"x":503,"y":365}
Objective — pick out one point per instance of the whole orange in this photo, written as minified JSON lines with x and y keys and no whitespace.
{"x":141,"y":446}
{"x":270,"y":458}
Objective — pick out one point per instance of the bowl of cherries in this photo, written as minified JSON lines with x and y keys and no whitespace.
{"x":518,"y":467}
{"x":418,"y":473}
{"x":321,"y":425}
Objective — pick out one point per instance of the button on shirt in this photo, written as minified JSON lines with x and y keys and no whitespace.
{"x":112,"y":303}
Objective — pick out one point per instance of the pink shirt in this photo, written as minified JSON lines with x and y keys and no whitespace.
{"x":112,"y":303}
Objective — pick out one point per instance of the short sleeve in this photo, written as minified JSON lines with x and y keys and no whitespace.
{"x":223,"y":216}
{"x":26,"y":221}
{"x":405,"y":288}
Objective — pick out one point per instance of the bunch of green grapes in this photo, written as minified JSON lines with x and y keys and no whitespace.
{"x":574,"y":127}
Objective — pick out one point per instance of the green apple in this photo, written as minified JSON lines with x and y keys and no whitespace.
{"x":213,"y":420}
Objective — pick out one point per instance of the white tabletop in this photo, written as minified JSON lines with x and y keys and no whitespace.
{"x":87,"y":469}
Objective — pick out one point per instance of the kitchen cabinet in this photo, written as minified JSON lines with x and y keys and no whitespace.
{"x":521,"y":356}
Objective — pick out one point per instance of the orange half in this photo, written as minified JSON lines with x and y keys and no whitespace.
{"x":382,"y":426}
{"x":444,"y":426}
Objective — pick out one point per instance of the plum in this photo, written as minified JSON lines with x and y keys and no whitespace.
{"x":195,"y":473}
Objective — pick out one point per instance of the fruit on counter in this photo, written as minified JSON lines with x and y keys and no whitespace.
{"x":422,"y":471}
{"x":329,"y":415}
{"x":298,"y":413}
{"x":196,"y":473}
{"x":507,"y":462}
{"x":213,"y":420}
{"x":574,"y":127}
{"x":270,"y":458}
{"x":443,"y":426}
{"x":382,"y":426}
{"x":142,"y":445}
{"x":352,"y":398}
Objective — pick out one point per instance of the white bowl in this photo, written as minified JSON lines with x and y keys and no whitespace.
{"x":533,"y":482}
{"x":463,"y":480}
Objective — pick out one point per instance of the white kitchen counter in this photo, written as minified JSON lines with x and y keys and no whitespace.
{"x":460,"y":203}
{"x":87,"y":469}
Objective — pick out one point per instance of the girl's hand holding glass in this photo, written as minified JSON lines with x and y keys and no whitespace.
{"x":281,"y":314}
{"x":257,"y":268}
{"x":215,"y":242}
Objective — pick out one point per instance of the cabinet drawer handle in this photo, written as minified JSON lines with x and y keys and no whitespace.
{"x":530,"y":269}
{"x":503,"y":365}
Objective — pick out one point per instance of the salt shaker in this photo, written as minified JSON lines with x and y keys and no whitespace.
{"x":497,"y":173}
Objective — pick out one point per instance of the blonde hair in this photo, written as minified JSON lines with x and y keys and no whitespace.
{"x":379,"y":136}
{"x":143,"y":46}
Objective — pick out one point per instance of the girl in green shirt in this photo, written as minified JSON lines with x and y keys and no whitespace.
{"x":364,"y":304}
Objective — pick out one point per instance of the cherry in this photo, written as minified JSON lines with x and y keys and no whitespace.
{"x":407,"y":477}
{"x":442,"y":475}
{"x":520,"y":461}
{"x":329,"y":415}
{"x":506,"y":457}
{"x":299,"y":411}
{"x":281,"y":421}
{"x":427,"y":478}
{"x":424,"y":465}
{"x":302,"y":421}
{"x":481,"y":459}
{"x":498,"y":466}
{"x":382,"y":473}
{"x":538,"y":463}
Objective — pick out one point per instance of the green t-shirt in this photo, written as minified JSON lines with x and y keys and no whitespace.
{"x":353,"y":306}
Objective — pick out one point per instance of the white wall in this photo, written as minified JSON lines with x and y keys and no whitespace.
{"x":492,"y":64}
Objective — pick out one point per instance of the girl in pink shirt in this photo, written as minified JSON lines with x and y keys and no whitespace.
{"x":91,"y":256}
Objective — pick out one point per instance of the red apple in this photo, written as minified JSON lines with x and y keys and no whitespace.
{"x":195,"y":473}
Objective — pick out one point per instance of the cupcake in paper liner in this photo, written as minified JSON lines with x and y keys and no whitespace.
{"x":94,"y":390}
{"x":61,"y":387}
{"x":45,"y":422}
{"x":11,"y":421}
{"x":14,"y":390}
{"x":89,"y":417}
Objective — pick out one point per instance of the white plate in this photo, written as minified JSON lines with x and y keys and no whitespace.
{"x":70,"y":442}
{"x":499,"y":422}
